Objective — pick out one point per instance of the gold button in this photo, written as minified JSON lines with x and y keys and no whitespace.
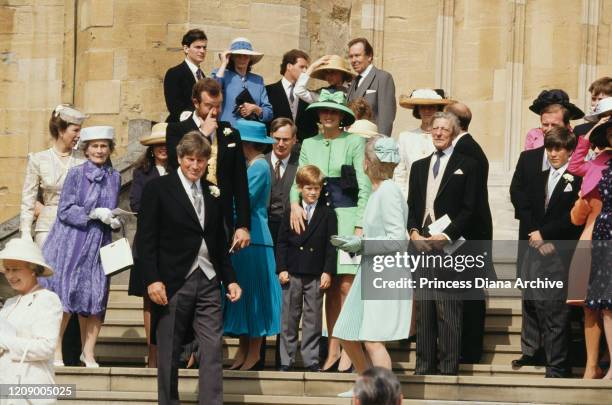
{"x":311,"y":249}
{"x":326,"y":194}
{"x":301,"y":247}
{"x":328,"y":204}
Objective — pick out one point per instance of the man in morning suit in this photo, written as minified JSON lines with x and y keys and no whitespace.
{"x":444,"y":183}
{"x":226,"y":166}
{"x":283,"y":99}
{"x":184,"y":254}
{"x":283,"y":162}
{"x":543,"y":195}
{"x":373,"y":84}
{"x":179,"y":80}
{"x":474,"y":311}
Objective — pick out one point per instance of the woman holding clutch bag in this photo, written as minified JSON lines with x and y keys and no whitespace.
{"x":83,"y":226}
{"x":339,"y":155}
{"x":244,"y":93}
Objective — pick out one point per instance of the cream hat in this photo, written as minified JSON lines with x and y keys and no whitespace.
{"x":423,"y":97}
{"x":26,"y":251}
{"x":364,"y":128}
{"x":97,"y":133}
{"x":157,"y":135}
{"x":69,"y":114}
{"x":603,"y":107}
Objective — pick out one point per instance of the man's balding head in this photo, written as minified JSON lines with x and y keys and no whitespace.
{"x":462,"y":112}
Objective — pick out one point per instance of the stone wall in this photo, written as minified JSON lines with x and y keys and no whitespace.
{"x":109,"y":57}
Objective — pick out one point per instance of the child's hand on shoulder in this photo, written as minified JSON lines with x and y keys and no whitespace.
{"x":283,"y":277}
{"x":325,"y":281}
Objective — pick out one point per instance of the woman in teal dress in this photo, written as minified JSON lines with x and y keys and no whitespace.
{"x":339,"y":155}
{"x":372,"y":320}
{"x":257,"y":314}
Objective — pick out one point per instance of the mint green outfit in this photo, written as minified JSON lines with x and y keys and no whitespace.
{"x":385,"y":218}
{"x":329,"y":155}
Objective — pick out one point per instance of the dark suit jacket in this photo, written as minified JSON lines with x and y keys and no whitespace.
{"x":231,"y":169}
{"x":467,"y":146}
{"x":378,"y":89}
{"x":457,"y":196}
{"x":170,"y":234}
{"x":305,"y":121}
{"x":178,"y":84}
{"x":311,"y":252}
{"x":528,"y":196}
{"x":139,"y":179}
{"x":285,"y":183}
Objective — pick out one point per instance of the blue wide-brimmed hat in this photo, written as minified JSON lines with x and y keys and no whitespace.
{"x":253,"y":131}
{"x":242,"y":46}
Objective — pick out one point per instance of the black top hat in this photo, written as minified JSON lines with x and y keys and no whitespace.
{"x":555,"y":96}
{"x":599,"y":136}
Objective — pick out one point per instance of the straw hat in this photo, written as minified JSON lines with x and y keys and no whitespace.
{"x":242,"y":46}
{"x":335,"y":63}
{"x":157,"y":135}
{"x":26,"y":251}
{"x":423,"y":97}
{"x":364,"y":128}
{"x":603,"y":107}
{"x":334,"y":101}
{"x":253,"y":131}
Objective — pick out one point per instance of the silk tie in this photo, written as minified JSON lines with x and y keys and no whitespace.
{"x":277,"y":167}
{"x":197,"y":199}
{"x":308,"y":213}
{"x":436,"y":166}
{"x":357,"y":80}
{"x":550,"y":187}
{"x":199,"y":74}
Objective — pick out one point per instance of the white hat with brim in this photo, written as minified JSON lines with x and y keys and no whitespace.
{"x":157,"y":135}
{"x":24,"y":250}
{"x":423,"y":97}
{"x":603,"y":108}
{"x":69,"y":114}
{"x":97,"y":133}
{"x":364,"y":128}
{"x":242,"y":46}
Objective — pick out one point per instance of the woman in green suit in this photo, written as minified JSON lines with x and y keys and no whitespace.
{"x":339,"y":155}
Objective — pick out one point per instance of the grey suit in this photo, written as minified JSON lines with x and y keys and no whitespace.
{"x":279,"y":195}
{"x":378,"y":89}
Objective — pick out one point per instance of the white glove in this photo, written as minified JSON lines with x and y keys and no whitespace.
{"x":115,"y":223}
{"x":103,"y":214}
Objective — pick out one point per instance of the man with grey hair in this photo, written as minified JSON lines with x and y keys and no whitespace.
{"x":377,"y":386}
{"x":444,"y":185}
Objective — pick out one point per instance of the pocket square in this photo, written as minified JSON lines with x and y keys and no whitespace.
{"x":568,"y":188}
{"x":370,"y":91}
{"x":231,"y":145}
{"x":458,"y":171}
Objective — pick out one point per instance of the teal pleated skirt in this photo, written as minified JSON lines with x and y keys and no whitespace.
{"x":258,"y":312}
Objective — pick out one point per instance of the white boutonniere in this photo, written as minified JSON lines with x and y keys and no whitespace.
{"x":568,"y":177}
{"x":227,"y":131}
{"x":214,"y":191}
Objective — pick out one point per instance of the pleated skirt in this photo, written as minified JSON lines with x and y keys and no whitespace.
{"x":258,"y":312}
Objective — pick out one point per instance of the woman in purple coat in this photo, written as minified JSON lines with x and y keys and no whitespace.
{"x":83,"y":226}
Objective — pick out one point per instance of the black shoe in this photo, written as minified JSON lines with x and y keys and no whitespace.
{"x":351,"y":369}
{"x":333,"y":368}
{"x":525,"y":361}
{"x":286,"y":368}
{"x":313,"y":368}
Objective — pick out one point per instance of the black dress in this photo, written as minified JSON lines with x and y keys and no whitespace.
{"x":599,"y":294}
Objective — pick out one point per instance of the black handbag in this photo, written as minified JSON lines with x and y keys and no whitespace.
{"x":348,"y":180}
{"x":244,"y":97}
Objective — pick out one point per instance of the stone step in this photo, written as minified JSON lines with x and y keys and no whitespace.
{"x":298,"y":385}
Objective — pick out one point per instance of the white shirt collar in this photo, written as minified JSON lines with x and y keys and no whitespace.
{"x":313,"y":205}
{"x":560,"y":170}
{"x":286,"y":84}
{"x":187,"y":183}
{"x":365,"y":72}
{"x":274,"y":159}
{"x":192,"y":66}
{"x":448,"y":151}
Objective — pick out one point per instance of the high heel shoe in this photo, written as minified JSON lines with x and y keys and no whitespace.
{"x":88,"y":364}
{"x":258,"y":366}
{"x":331,"y":369}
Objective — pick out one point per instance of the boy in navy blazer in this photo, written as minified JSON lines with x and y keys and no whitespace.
{"x":305,"y":265}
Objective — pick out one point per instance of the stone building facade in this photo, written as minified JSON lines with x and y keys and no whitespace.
{"x":108,"y":57}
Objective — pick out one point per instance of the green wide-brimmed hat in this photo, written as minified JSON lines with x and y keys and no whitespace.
{"x":334,"y":101}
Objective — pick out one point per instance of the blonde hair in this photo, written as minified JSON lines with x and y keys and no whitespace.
{"x":309,"y":175}
{"x":377,"y":170}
